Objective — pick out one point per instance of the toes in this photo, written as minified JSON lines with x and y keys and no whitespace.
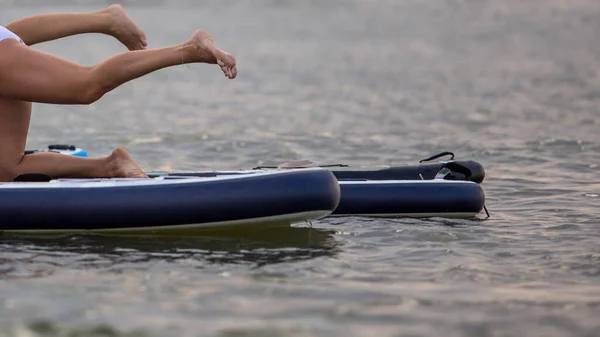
{"x":228,"y":72}
{"x":138,"y":44}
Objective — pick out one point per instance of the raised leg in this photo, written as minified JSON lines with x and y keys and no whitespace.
{"x":112,"y":21}
{"x":35,"y":76}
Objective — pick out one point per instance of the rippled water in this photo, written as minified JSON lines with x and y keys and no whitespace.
{"x":512,"y":84}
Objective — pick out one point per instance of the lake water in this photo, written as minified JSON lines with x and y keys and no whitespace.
{"x":512,"y":84}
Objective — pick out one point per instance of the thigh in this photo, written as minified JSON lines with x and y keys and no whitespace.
{"x":15,"y":116}
{"x":30,"y":75}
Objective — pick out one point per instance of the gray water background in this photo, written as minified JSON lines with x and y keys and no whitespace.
{"x":512,"y":84}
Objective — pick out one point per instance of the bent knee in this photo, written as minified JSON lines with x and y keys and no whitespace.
{"x":91,"y":89}
{"x":90,"y":96}
{"x":8,"y":171}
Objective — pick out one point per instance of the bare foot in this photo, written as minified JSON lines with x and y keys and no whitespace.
{"x":122,"y":166}
{"x":201,"y":48}
{"x":122,"y":27}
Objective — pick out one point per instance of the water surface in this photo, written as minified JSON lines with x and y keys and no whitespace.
{"x":511,"y":84}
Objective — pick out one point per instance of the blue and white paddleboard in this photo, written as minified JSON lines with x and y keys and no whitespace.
{"x":167,"y":203}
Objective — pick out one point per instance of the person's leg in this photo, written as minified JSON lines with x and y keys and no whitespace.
{"x":35,"y":76}
{"x":27,"y":75}
{"x":112,"y":21}
{"x":13,"y":135}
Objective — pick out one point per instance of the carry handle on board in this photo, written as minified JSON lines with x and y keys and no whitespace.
{"x":436,"y":156}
